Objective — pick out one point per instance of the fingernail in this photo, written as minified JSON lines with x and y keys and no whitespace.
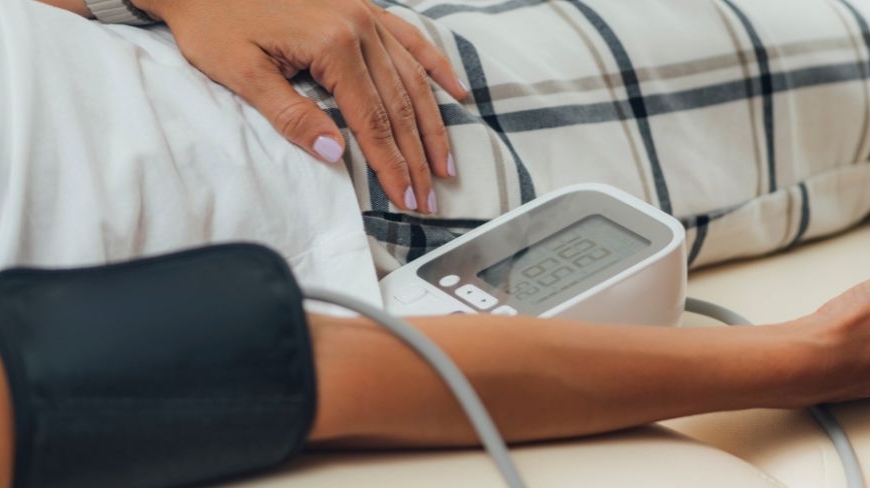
{"x":433,"y":204}
{"x":463,"y":85}
{"x":451,"y":167}
{"x":328,"y":149}
{"x":410,"y":200}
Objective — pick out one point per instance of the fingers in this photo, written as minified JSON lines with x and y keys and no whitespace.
{"x":260,"y":81}
{"x":432,"y":60}
{"x":368,"y":117}
{"x":387,"y":102}
{"x":402,"y":109}
{"x":379,"y":82}
{"x":428,"y":115}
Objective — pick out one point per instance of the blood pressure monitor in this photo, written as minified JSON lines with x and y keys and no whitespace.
{"x":587,"y":252}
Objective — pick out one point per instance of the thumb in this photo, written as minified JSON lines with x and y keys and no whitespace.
{"x":296,"y":117}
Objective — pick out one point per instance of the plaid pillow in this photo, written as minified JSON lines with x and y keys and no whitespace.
{"x":747,"y":120}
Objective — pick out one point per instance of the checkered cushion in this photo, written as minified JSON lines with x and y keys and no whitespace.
{"x":746,"y":119}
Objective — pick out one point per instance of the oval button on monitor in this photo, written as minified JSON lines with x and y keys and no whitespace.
{"x":504,"y":310}
{"x":449,"y":281}
{"x":410,"y":295}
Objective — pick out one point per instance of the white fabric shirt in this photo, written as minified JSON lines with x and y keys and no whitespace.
{"x":112,"y":146}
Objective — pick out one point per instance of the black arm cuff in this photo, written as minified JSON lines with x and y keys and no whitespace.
{"x":160,"y":372}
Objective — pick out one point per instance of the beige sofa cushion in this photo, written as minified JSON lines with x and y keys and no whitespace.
{"x":786,"y":444}
{"x":648,"y":457}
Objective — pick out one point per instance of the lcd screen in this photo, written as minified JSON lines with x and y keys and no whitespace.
{"x":563,"y":260}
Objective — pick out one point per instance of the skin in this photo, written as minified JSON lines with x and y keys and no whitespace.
{"x":542,"y":379}
{"x":549,"y":379}
{"x":376,"y":66}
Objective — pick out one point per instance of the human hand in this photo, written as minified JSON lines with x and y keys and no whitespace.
{"x":837,"y":339}
{"x":375,"y":64}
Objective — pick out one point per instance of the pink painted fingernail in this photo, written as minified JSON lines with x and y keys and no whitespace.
{"x":463,"y":85}
{"x":410,"y":200}
{"x":328,"y":148}
{"x":433,"y":204}
{"x":451,"y":167}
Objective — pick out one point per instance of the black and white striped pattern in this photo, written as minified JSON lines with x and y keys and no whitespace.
{"x":748,"y":120}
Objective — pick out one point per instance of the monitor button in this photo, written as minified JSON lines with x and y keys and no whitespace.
{"x":410,"y":295}
{"x":449,"y":281}
{"x":505,"y":310}
{"x":476,"y":297}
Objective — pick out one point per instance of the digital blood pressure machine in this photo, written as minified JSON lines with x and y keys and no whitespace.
{"x":587,"y":251}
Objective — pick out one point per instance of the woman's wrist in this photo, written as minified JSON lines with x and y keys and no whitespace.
{"x":803,"y":370}
{"x":74,"y":6}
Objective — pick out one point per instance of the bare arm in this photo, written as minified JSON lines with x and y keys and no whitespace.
{"x":75,"y":6}
{"x":540,"y":379}
{"x":545,"y":379}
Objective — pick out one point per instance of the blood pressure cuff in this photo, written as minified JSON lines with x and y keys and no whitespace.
{"x":160,"y":372}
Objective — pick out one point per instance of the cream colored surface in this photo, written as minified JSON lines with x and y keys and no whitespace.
{"x":646,"y":457}
{"x":786,"y":444}
{"x":734,"y":449}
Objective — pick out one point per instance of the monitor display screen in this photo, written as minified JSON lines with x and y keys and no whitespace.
{"x":563,"y":260}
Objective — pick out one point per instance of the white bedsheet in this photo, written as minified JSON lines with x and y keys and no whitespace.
{"x":112,"y":146}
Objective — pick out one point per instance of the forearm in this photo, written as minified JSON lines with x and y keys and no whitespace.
{"x":75,"y":6}
{"x":544,"y":379}
{"x":547,"y":379}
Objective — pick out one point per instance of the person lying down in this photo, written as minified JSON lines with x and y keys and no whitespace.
{"x":114,"y":146}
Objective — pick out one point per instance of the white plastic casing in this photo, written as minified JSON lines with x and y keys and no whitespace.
{"x":651,"y":292}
